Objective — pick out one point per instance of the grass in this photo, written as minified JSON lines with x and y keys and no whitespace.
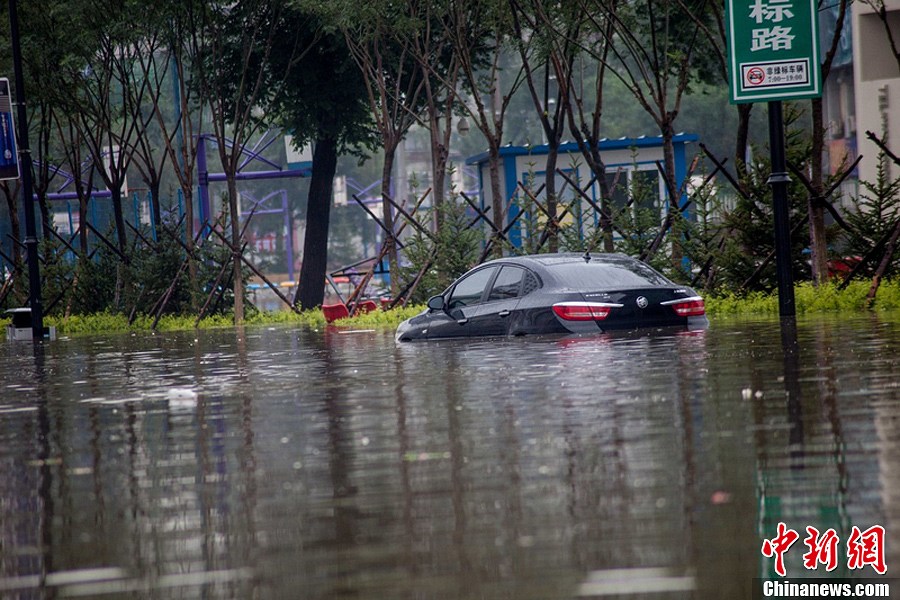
{"x":117,"y":323}
{"x":808,"y":299}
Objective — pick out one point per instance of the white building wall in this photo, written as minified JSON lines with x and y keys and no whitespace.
{"x":567,"y":161}
{"x":877,"y":83}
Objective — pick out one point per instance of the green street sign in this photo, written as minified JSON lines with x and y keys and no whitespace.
{"x":773,"y":50}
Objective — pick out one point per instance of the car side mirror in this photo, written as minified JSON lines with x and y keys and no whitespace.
{"x":436,"y":303}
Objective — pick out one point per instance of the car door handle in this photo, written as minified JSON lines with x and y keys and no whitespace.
{"x":504,"y":313}
{"x":462,"y":321}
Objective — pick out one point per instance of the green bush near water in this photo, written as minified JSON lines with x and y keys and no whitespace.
{"x":105,"y":322}
{"x":808,"y":298}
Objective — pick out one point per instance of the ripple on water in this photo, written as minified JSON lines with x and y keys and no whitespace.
{"x":217,"y":464}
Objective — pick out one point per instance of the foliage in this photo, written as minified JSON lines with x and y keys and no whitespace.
{"x":666,"y":29}
{"x":636,"y":209}
{"x":93,"y":283}
{"x":531,"y":222}
{"x":875,"y":213}
{"x":442,"y":256}
{"x":87,"y":86}
{"x":151,"y":274}
{"x":325,"y":95}
{"x":702,"y":236}
{"x":748,"y":237}
{"x":87,"y":285}
{"x":382,"y":318}
{"x":107,"y":322}
{"x":809,"y":299}
{"x":638,"y":219}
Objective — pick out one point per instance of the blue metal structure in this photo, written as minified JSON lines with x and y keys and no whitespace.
{"x":275,"y":171}
{"x":518,"y":163}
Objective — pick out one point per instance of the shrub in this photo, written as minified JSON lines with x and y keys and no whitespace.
{"x":448,"y":253}
{"x":809,"y":299}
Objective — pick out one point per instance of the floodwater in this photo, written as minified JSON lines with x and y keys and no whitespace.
{"x":287,"y":463}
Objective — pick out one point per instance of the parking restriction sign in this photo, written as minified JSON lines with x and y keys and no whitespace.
{"x":773,"y":50}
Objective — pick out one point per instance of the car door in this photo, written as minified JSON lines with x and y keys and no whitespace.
{"x":495,"y":314}
{"x":461,"y":304}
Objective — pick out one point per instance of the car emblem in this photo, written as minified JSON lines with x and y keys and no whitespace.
{"x":642,"y":302}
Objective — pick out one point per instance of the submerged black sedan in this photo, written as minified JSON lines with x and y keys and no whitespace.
{"x":556,"y":293}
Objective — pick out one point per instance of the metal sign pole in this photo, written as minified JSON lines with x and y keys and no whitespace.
{"x":773,"y":55}
{"x":31,"y":242}
{"x":779,"y":180}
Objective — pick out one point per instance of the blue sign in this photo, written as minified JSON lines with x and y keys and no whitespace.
{"x":9,"y":157}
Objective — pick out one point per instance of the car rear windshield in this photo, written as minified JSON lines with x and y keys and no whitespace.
{"x":601,"y":276}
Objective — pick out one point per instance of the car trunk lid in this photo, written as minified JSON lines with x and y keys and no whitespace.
{"x":642,"y":307}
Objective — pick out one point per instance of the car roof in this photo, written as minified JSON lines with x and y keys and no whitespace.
{"x":548,"y":260}
{"x":551,"y":267}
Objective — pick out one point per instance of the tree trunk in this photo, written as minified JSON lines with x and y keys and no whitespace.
{"x":552,"y":200}
{"x":439,"y":156}
{"x":119,"y":216}
{"x":388,"y":216}
{"x":46,"y":217}
{"x":15,"y":225}
{"x":311,"y":286}
{"x":122,"y":243}
{"x":188,"y":193}
{"x":672,"y":190}
{"x":439,"y":134}
{"x":154,"y":206}
{"x":884,"y":264}
{"x":82,"y":224}
{"x":236,"y":249}
{"x":742,"y":138}
{"x":497,"y":200}
{"x":668,"y":135}
{"x":598,"y":169}
{"x":818,"y":245}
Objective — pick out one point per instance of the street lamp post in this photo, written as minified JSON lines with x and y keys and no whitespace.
{"x":31,"y":242}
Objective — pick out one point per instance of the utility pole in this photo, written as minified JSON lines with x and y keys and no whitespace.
{"x":31,"y":241}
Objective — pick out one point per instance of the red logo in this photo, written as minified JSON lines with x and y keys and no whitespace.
{"x":755,"y":76}
{"x":777,"y":546}
{"x":864,"y":548}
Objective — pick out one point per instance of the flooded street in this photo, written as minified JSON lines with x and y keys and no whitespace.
{"x":286,"y":463}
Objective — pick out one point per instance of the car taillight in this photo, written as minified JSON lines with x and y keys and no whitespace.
{"x":583,"y":311}
{"x":688,"y":307}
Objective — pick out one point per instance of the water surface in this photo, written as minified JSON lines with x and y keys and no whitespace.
{"x":289,"y":463}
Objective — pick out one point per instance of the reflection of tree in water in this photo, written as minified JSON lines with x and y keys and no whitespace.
{"x":340,"y":453}
{"x":805,"y":475}
{"x":163,"y":491}
{"x":513,"y":468}
{"x":45,"y":489}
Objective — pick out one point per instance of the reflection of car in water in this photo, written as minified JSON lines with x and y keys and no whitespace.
{"x":556,"y":293}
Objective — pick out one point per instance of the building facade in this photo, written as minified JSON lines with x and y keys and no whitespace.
{"x":876,"y":82}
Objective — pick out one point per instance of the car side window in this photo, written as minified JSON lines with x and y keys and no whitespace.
{"x":470,"y":289}
{"x":508,"y":284}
